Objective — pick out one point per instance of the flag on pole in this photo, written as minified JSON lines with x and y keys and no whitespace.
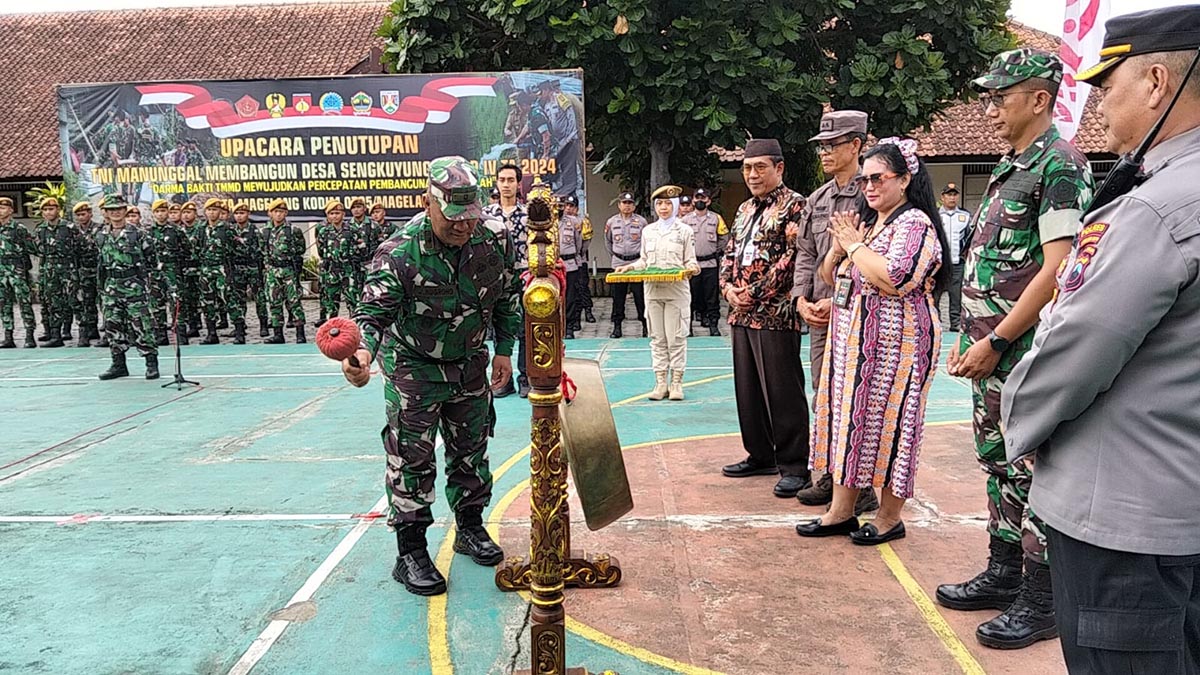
{"x":1083,"y":34}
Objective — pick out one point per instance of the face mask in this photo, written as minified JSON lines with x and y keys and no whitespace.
{"x":700,"y":206}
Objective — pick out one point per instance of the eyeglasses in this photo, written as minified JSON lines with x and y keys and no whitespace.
{"x":826,"y":148}
{"x":875,"y":179}
{"x":998,"y":100}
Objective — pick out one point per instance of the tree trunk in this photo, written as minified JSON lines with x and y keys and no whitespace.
{"x":660,"y":162}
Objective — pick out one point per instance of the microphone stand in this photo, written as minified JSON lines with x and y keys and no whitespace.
{"x":179,"y":380}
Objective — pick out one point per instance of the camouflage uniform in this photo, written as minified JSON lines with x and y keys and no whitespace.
{"x":190,"y":298}
{"x":16,"y":247}
{"x":284,"y":261}
{"x":58,"y":244}
{"x":248,"y":271}
{"x":425,"y":312}
{"x":341,"y":250}
{"x":87,"y":298}
{"x":214,"y":254}
{"x":125,"y":260}
{"x":1031,"y":199}
{"x":174,"y":251}
{"x":366,"y":231}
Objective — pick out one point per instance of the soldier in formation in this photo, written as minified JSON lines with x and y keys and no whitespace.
{"x":284,"y":261}
{"x":58,"y":243}
{"x":190,"y":297}
{"x":16,"y":251}
{"x":86,"y":298}
{"x":342,"y":250}
{"x":247,"y":271}
{"x":213,"y":245}
{"x":126,"y":256}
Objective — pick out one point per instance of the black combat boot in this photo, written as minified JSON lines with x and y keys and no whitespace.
{"x":994,"y":588}
{"x":66,"y":332}
{"x":277,"y":338}
{"x":713,"y":330}
{"x":1029,"y":618}
{"x":45,"y":336}
{"x":30,"y":343}
{"x":616,"y":331}
{"x":152,"y":366}
{"x":103,"y":341}
{"x":570,"y":333}
{"x":588,"y":316}
{"x":211,"y":338}
{"x":193,"y":327}
{"x":263,"y":327}
{"x":8,"y":340}
{"x":83,"y":340}
{"x":117,"y":369}
{"x":300,"y":339}
{"x":645,"y":328}
{"x":413,"y":567}
{"x":163,"y":340}
{"x":320,"y":320}
{"x":222,"y":321}
{"x":55,"y":338}
{"x":93,"y":332}
{"x":473,"y":540}
{"x":239,"y":332}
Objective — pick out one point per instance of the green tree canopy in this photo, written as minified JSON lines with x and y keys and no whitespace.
{"x":666,"y":79}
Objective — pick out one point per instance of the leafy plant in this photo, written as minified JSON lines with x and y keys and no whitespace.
{"x":40,"y":193}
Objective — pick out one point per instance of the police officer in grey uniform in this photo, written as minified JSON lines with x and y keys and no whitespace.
{"x":570,"y":249}
{"x":623,"y":237}
{"x":711,"y":237}
{"x":1106,"y":405}
{"x":956,"y":221}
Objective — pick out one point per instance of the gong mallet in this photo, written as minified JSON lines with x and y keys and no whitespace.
{"x":338,"y":338}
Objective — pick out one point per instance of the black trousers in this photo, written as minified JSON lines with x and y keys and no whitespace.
{"x":706,"y":295}
{"x":618,"y":297}
{"x":955,"y":290}
{"x":576,"y":289}
{"x":1121,"y":612}
{"x":768,"y":381}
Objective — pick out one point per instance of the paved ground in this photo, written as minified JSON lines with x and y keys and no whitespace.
{"x":231,"y":526}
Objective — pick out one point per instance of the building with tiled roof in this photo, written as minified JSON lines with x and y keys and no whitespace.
{"x":310,"y":39}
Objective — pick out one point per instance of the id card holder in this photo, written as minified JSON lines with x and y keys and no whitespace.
{"x":841,"y":291}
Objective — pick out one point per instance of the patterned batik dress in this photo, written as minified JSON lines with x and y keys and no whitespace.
{"x":879,"y":364}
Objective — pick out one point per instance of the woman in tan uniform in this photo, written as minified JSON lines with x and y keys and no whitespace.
{"x":667,"y":243}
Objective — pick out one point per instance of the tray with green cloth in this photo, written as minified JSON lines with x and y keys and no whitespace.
{"x":650,"y":274}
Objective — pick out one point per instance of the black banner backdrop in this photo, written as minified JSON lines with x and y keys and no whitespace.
{"x":312,"y":140}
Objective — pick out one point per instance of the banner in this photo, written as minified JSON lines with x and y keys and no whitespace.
{"x":312,"y":140}
{"x":1083,"y":34}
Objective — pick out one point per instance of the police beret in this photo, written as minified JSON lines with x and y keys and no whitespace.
{"x":277,"y":203}
{"x":159,"y":204}
{"x":1169,"y":29}
{"x":214,"y":203}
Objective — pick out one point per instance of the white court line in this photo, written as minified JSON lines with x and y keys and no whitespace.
{"x":271,"y":633}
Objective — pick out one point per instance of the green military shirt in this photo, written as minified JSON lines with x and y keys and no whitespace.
{"x":214,"y":245}
{"x":431,"y":304}
{"x":340,"y":248}
{"x":284,"y":246}
{"x":16,"y":247}
{"x":1034,"y":198}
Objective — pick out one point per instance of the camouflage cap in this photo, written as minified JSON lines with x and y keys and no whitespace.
{"x":1017,"y":65}
{"x":454,"y":184}
{"x":113,"y":203}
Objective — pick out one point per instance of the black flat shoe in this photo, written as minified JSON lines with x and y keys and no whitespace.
{"x":814,"y":528}
{"x":869,"y":535}
{"x":746,"y":468}
{"x":788,"y":486}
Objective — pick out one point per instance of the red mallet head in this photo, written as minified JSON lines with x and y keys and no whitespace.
{"x":338,"y":339}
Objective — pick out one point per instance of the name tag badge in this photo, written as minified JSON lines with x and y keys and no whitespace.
{"x":841,"y":291}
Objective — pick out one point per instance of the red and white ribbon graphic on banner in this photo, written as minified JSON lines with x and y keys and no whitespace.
{"x":1083,"y":34}
{"x":433,"y":106}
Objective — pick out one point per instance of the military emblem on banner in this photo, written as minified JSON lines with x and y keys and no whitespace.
{"x":276,"y":104}
{"x":331,"y":103}
{"x":389,"y":101}
{"x":361,"y":102}
{"x":247,"y":106}
{"x":301,"y":102}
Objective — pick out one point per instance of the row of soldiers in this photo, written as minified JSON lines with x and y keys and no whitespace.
{"x":201,"y":271}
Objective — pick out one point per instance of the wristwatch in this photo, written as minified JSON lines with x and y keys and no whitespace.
{"x":854,"y":247}
{"x":998,"y":343}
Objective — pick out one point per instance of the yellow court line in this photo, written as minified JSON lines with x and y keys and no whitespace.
{"x":929,"y":612}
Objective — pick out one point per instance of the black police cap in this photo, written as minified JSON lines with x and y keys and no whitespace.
{"x":1170,"y":29}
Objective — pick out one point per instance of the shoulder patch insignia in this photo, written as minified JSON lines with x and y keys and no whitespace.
{"x":1085,"y":251}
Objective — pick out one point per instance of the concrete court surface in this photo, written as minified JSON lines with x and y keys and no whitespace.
{"x":234,"y":527}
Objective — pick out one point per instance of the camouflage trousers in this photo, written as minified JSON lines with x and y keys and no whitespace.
{"x":189,"y":297}
{"x":55,"y":285}
{"x":415,"y":410}
{"x":337,"y":285}
{"x":15,"y":292}
{"x":247,"y":282}
{"x":165,"y":289}
{"x":215,"y":298}
{"x":1009,"y":515}
{"x":86,"y":300}
{"x":127,"y":319}
{"x":283,"y":288}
